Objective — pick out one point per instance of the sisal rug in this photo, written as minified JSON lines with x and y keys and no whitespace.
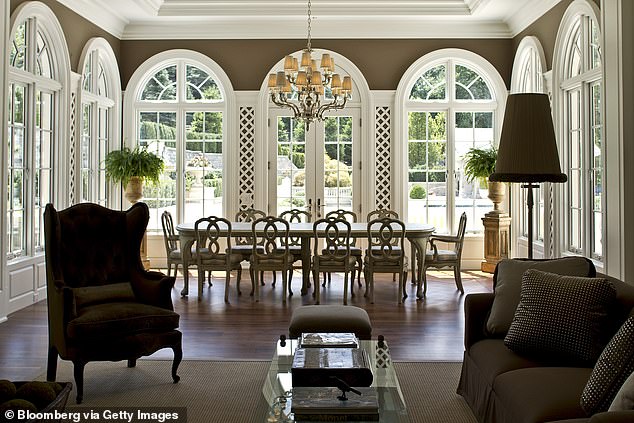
{"x":231,"y":391}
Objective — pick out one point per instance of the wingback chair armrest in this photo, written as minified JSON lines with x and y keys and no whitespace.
{"x":613,"y":417}
{"x":153,"y":288}
{"x":476,"y":310}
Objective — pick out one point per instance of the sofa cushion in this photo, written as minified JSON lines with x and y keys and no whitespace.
{"x":508,"y":283}
{"x":540,"y":394}
{"x":614,"y":366}
{"x":624,"y":399}
{"x":493,"y":358}
{"x":560,"y":318}
{"x":115,"y":320}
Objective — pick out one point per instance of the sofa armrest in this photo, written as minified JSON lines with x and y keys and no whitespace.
{"x":476,"y":310}
{"x":613,"y":417}
{"x":153,"y":288}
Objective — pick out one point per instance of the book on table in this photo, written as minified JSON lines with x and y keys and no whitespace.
{"x":329,"y":340}
{"x":316,"y":366}
{"x":323,"y":404}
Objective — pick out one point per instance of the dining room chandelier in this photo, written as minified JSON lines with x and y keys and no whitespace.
{"x":307,"y":89}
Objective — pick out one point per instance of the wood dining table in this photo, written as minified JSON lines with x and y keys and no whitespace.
{"x":416,"y":233}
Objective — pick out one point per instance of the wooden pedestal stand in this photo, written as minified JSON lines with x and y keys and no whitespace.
{"x":133,"y":193}
{"x":497,"y":225}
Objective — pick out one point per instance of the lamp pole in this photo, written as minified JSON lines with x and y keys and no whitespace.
{"x":529,"y":205}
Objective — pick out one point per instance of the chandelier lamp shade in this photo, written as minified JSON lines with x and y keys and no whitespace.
{"x":307,"y":88}
{"x":528,"y":149}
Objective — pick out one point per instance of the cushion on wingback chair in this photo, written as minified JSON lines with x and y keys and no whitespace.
{"x":508,"y":285}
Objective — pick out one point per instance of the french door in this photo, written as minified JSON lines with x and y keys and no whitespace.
{"x":316,"y":170}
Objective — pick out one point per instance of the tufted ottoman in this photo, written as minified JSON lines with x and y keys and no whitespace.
{"x":330,"y":318}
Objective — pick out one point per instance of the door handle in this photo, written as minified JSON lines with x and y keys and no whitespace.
{"x":310,"y":206}
{"x":318,"y":209}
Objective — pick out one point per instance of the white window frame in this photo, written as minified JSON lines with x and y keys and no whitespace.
{"x":98,"y":51}
{"x":586,"y":10}
{"x":58,"y":85}
{"x":132,"y":106}
{"x":404,"y":105}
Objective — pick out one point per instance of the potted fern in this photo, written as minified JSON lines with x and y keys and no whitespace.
{"x":131,"y":168}
{"x":479,"y":164}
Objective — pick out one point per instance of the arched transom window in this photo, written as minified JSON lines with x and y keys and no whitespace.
{"x":99,"y":120}
{"x":450,"y":108}
{"x":180,"y":112}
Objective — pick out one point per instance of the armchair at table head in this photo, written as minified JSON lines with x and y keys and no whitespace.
{"x":438,"y":258}
{"x":102,"y":304}
{"x":172,"y":247}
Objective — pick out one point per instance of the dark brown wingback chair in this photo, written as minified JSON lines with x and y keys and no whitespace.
{"x":102,"y":304}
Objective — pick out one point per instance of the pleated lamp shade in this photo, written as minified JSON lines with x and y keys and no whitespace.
{"x":528,"y":149}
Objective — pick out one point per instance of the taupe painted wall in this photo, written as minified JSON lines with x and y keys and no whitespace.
{"x":382,"y":62}
{"x":77,"y":30}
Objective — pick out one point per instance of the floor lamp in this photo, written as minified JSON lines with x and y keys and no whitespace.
{"x":527,"y":151}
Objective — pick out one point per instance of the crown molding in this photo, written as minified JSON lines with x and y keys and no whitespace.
{"x":101,"y":15}
{"x":527,"y":14}
{"x":334,"y":28}
{"x":350,"y":8}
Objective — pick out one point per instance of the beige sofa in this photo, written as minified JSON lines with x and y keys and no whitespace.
{"x":502,"y":386}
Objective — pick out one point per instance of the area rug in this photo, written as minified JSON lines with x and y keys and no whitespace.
{"x":231,"y":391}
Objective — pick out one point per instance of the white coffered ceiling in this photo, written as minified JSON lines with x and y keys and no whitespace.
{"x":239,"y":19}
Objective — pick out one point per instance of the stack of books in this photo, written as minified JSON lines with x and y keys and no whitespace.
{"x":321,"y":362}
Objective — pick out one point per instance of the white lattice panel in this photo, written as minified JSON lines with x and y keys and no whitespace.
{"x":382,"y":136}
{"x":247,"y":157}
{"x":71,"y":155}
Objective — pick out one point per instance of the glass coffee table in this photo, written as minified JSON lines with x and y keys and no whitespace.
{"x":277,"y":389}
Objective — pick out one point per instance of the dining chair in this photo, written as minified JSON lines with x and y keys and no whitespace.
{"x":386,"y":253}
{"x":244,"y":244}
{"x":438,"y":258}
{"x":355,"y":251}
{"x":295,"y":242}
{"x":269,"y":251}
{"x":379,"y":214}
{"x":210,"y":255}
{"x":172,"y":247}
{"x":336,"y":256}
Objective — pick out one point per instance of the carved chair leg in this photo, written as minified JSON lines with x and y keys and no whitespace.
{"x":252,"y":275}
{"x":78,"y":370}
{"x":132,"y":362}
{"x":458,"y":277}
{"x":345,"y":288}
{"x":178,"y":357}
{"x":360,"y":264}
{"x":290,"y":280}
{"x":51,"y":365}
{"x":227,"y":280}
{"x":238,"y":281}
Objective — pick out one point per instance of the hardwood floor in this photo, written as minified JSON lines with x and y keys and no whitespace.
{"x":417,"y":330}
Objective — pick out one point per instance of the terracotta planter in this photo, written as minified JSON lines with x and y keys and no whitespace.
{"x":496,"y":195}
{"x":134,"y":189}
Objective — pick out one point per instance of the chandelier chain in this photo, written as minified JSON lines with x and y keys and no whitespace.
{"x":309,"y":20}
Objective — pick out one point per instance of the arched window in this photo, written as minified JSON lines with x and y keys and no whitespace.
{"x":452,"y":102}
{"x":528,"y":77}
{"x":36,"y":77}
{"x":180,"y":107}
{"x":579,"y":86}
{"x":100,"y":94}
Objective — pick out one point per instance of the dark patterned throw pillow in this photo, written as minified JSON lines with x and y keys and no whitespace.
{"x":560,"y":318}
{"x":614,"y":366}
